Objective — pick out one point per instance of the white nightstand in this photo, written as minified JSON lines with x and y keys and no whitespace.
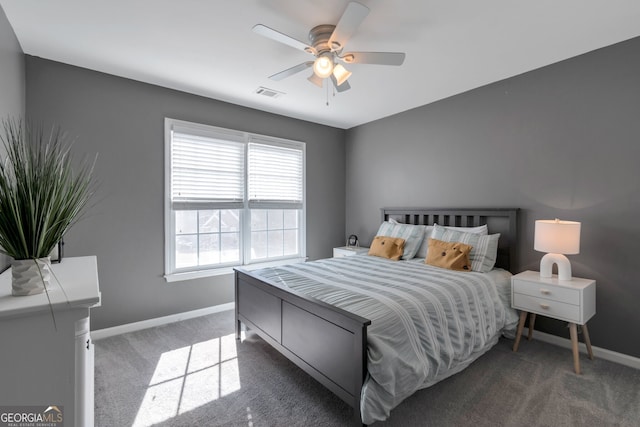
{"x":349,"y":251}
{"x":572,"y":300}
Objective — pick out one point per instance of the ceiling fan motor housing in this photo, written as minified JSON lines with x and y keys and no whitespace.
{"x":319,"y":37}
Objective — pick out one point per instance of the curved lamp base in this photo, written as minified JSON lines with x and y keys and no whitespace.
{"x":564,"y":266}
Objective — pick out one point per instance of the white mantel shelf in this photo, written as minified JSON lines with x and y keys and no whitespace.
{"x":78,"y":276}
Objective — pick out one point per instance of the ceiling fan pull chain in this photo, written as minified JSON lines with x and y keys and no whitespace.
{"x":327,"y":93}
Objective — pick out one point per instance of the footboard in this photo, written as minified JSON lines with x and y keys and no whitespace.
{"x":328,"y":343}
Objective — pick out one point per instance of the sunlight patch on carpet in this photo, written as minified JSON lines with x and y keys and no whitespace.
{"x":190,"y":377}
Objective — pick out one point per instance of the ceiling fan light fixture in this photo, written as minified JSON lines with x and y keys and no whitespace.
{"x":323,"y":66}
{"x":316,"y":80}
{"x":341,"y":74}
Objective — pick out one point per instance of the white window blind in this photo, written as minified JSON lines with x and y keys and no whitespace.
{"x":275,"y":175}
{"x":231,"y":198}
{"x":206,"y":172}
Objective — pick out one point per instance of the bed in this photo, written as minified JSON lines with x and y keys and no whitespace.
{"x":325,"y":329}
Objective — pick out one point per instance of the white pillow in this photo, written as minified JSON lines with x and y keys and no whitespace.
{"x":485,"y":248}
{"x":412,"y":235}
{"x":481,"y":229}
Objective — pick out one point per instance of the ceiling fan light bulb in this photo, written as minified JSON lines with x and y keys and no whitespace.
{"x":323,"y":66}
{"x":341,"y":74}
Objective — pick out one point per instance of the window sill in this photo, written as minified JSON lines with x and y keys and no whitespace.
{"x":190,"y":275}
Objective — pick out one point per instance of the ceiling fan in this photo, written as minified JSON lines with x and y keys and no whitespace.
{"x":326,"y":44}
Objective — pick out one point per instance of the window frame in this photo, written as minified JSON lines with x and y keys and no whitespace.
{"x":171,"y":273}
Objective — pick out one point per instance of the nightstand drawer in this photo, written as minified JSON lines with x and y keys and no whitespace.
{"x":541,"y":290}
{"x":545,"y":307}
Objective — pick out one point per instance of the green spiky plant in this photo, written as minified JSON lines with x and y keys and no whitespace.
{"x":43,"y":192}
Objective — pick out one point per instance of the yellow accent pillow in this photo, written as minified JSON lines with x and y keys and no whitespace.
{"x":451,"y":255}
{"x":387,"y":247}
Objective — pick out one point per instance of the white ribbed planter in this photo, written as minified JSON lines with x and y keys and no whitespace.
{"x":29,"y":277}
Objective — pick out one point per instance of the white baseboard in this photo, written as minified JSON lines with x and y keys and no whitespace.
{"x":158,"y":321}
{"x":602,"y":353}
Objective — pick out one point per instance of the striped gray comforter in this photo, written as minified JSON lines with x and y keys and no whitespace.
{"x":427,"y":323}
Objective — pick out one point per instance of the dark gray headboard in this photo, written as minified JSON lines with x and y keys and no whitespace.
{"x":500,"y":220}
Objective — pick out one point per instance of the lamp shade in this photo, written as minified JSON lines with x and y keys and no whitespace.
{"x":341,"y":74}
{"x":558,"y":237}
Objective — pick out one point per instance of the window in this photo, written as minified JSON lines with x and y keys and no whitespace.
{"x":232,"y":198}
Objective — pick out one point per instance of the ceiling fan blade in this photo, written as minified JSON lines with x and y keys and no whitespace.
{"x":381,"y":58}
{"x":351,"y":19}
{"x":282,"y":38}
{"x":315,"y":80}
{"x":291,"y":71}
{"x":341,"y":88}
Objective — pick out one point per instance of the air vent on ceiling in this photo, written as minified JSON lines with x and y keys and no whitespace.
{"x":270,"y":93}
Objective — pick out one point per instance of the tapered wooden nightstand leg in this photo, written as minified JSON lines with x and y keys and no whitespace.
{"x":587,"y":340}
{"x":532,"y":322}
{"x":573,"y":331}
{"x":523,"y":318}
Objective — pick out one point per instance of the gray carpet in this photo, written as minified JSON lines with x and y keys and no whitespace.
{"x":193,"y":373}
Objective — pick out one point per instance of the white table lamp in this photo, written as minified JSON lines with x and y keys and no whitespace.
{"x":557,"y":238}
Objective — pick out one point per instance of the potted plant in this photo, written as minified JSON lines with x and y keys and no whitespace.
{"x":43,"y":192}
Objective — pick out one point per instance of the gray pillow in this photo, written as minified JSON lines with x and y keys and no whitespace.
{"x":485,"y":248}
{"x":412,"y":235}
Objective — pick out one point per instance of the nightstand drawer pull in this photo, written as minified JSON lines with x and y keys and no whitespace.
{"x":545,"y":291}
{"x":545,"y":306}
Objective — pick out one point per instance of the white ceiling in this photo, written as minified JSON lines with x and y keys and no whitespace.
{"x":208,"y":48}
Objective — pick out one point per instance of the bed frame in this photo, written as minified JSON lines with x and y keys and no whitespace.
{"x":329,"y":343}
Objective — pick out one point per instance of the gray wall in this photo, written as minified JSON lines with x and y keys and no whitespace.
{"x":559,"y":142}
{"x":12,"y":79}
{"x":12,"y":83}
{"x":123,"y":121}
